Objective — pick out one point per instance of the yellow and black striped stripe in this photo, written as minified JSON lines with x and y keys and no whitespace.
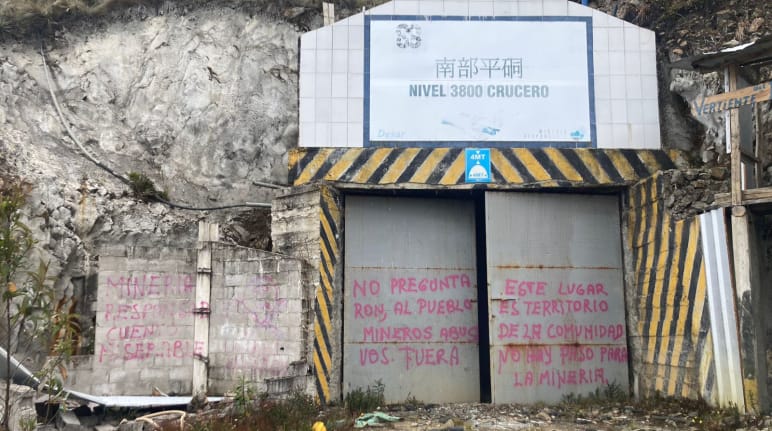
{"x":545,"y":167}
{"x":670,"y":288}
{"x":330,"y":220}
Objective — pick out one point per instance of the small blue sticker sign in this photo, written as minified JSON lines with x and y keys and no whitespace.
{"x":478,"y":165}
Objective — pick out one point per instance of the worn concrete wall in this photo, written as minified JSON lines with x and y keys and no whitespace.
{"x":668,"y":322}
{"x":308,"y":224}
{"x":144,"y":323}
{"x":258,"y":321}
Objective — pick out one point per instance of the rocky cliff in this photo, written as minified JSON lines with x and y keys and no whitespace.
{"x":202,"y":101}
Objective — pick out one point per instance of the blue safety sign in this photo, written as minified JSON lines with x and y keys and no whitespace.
{"x":478,"y":165}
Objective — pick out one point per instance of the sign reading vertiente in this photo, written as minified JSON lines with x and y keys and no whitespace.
{"x":457,"y":80}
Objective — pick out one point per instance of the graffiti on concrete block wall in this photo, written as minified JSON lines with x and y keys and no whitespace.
{"x":256,"y":330}
{"x":145,"y":318}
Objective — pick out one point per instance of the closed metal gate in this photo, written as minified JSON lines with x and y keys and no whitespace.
{"x":556,"y":302}
{"x":410,"y":307}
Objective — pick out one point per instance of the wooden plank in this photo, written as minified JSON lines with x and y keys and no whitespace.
{"x":328,"y":13}
{"x":752,"y":196}
{"x":741,"y":249}
{"x":733,"y":99}
{"x":757,"y":144}
{"x":734,"y":141}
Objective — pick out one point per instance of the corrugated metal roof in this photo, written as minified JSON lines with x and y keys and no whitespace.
{"x":139,"y":401}
{"x":759,"y":51}
{"x":21,"y":375}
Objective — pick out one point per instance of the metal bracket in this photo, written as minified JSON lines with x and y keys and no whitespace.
{"x":202,"y":310}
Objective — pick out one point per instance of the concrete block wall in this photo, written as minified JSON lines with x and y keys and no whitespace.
{"x":668,"y":321}
{"x":145,"y":315}
{"x":258,"y":320}
{"x":144,"y":323}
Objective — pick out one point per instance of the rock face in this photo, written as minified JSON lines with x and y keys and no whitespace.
{"x":689,"y":28}
{"x":202,"y":102}
{"x":690,"y":192}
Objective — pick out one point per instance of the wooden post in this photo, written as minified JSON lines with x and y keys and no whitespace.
{"x":742,"y":249}
{"x":207,"y":234}
{"x":734,"y":141}
{"x":756,"y":151}
{"x":328,"y":13}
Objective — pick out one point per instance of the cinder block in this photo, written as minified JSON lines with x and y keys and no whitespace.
{"x":67,"y":421}
{"x":234,"y":279}
{"x":289,"y":320}
{"x":109,"y":389}
{"x":181,"y":373}
{"x":117,"y":375}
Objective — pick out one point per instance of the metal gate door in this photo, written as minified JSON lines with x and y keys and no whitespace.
{"x":410,"y":287}
{"x":557,"y":315}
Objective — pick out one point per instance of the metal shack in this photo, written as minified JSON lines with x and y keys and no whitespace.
{"x":478,"y":190}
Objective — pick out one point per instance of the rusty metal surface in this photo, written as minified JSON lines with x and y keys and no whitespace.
{"x":410,"y":307}
{"x":557,"y":315}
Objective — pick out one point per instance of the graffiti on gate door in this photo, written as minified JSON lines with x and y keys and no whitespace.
{"x":413,"y":321}
{"x":558,"y":333}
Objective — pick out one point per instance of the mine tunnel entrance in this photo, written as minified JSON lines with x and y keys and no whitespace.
{"x":483,"y":296}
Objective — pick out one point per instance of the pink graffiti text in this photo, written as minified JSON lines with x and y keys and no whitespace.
{"x":559,"y":377}
{"x":407,"y":334}
{"x":144,"y":350}
{"x":410,"y":357}
{"x":152,"y":285}
{"x":139,"y":312}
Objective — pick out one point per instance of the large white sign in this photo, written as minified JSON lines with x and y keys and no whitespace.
{"x":455,"y":80}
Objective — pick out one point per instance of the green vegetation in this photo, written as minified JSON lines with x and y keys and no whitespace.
{"x":366,"y":400}
{"x":612,"y":392}
{"x":143,"y":187}
{"x":700,"y":415}
{"x":31,"y":315}
{"x":669,"y":411}
{"x":251,"y":411}
{"x":244,"y":396}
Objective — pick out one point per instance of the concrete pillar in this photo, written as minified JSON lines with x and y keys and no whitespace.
{"x":208,"y":233}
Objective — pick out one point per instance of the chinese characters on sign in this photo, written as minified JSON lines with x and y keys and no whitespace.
{"x":470,"y":67}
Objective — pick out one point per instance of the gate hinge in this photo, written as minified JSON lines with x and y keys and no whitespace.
{"x":202,"y":310}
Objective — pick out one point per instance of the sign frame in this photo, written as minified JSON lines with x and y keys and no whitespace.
{"x":592,"y":143}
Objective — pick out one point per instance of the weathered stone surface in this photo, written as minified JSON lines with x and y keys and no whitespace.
{"x":691,"y":192}
{"x":22,"y":407}
{"x":202,"y":101}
